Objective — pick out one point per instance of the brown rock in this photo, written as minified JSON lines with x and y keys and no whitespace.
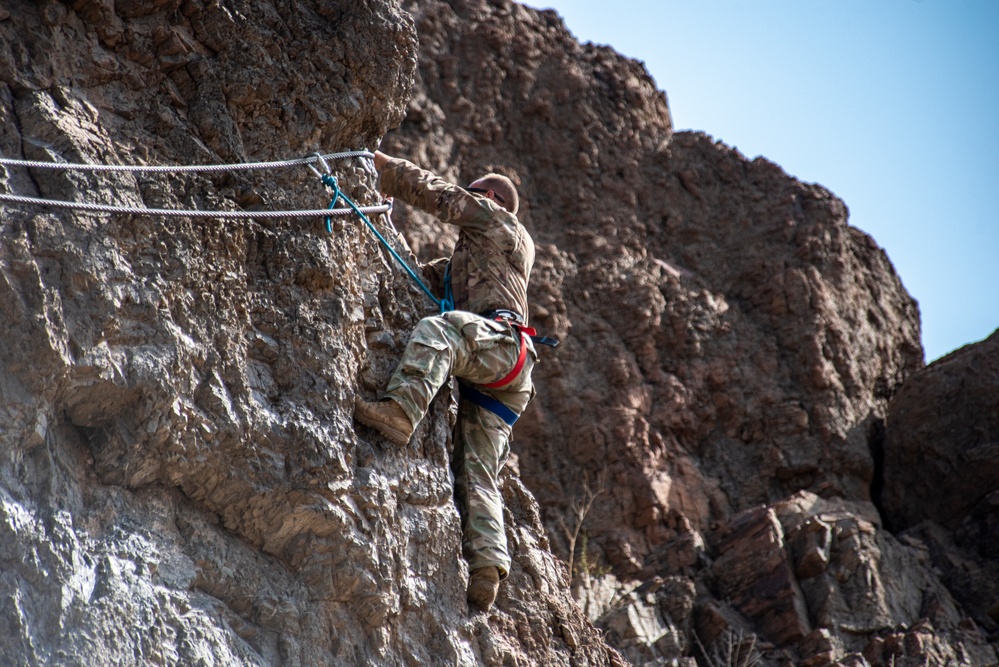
{"x":941,"y":465}
{"x":753,"y":570}
{"x":942,"y":445}
{"x":728,"y":339}
{"x":176,"y":431}
{"x":721,"y":349}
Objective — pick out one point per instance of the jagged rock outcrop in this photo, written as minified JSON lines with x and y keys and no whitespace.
{"x":942,"y":443}
{"x":730,"y":342}
{"x":941,"y":472}
{"x":181,"y":481}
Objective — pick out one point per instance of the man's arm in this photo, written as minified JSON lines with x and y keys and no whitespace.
{"x":420,"y":188}
{"x":380,"y":160}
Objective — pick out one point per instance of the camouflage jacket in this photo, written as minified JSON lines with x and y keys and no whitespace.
{"x":492,"y":260}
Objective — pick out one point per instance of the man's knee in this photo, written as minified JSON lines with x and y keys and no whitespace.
{"x":419,"y":361}
{"x":427,"y":345}
{"x":430,"y":328}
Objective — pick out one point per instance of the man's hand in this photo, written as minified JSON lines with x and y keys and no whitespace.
{"x":381,"y":159}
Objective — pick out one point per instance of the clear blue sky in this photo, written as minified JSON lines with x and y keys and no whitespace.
{"x":893,"y":105}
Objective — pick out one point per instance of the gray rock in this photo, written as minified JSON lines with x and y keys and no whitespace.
{"x":181,"y":481}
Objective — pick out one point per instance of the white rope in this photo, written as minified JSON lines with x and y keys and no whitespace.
{"x":184,"y":168}
{"x":141,"y":210}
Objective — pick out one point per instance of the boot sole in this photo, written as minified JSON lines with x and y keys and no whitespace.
{"x":393,"y":435}
{"x":482,"y":596}
{"x":482,"y":590}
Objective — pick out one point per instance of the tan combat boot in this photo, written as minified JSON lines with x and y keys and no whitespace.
{"x":386,"y":417}
{"x":483,"y":586}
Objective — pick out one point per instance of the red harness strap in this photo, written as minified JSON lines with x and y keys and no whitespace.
{"x":519,"y":366}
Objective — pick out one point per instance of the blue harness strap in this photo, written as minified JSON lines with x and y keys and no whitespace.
{"x":470,"y":393}
{"x":447,"y":303}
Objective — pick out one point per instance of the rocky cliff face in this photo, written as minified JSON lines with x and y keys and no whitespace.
{"x":715,"y":447}
{"x":709,"y":443}
{"x":182,"y":482}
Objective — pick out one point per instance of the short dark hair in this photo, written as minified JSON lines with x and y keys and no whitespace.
{"x":504,"y":188}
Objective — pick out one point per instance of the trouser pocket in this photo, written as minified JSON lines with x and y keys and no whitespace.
{"x":479,"y":333}
{"x":419,"y":359}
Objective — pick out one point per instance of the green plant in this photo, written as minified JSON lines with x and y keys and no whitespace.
{"x":588,"y":566}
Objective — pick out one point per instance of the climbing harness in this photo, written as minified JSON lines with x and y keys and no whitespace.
{"x":194,"y":213}
{"x":445,"y":304}
{"x":514,"y":320}
{"x":486,"y":402}
{"x":483,"y":400}
{"x":517,"y":367}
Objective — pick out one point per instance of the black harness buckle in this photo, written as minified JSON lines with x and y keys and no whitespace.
{"x":503,"y":314}
{"x":513,"y":316}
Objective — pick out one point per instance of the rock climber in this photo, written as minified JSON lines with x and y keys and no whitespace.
{"x":484,"y":342}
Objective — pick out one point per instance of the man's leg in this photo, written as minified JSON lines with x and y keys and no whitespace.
{"x":482,"y":445}
{"x":456,"y":342}
{"x":480,"y":351}
{"x":425,"y":367}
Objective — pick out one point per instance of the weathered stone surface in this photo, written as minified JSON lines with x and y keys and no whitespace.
{"x":181,"y":481}
{"x":941,"y":471}
{"x":729,"y":341}
{"x":754,"y":572}
{"x":869,"y":583}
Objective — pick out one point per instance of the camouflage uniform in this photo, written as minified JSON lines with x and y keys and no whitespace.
{"x":490,"y":268}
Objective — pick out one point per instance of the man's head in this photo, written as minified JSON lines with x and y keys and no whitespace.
{"x":500,"y":189}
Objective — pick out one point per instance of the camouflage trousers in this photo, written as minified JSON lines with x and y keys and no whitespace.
{"x":479,"y":351}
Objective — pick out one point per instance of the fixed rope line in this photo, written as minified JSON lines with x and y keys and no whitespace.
{"x":189,"y":213}
{"x":329,"y":181}
{"x":239,"y":166}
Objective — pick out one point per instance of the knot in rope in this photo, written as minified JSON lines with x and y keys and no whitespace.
{"x":329,"y":181}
